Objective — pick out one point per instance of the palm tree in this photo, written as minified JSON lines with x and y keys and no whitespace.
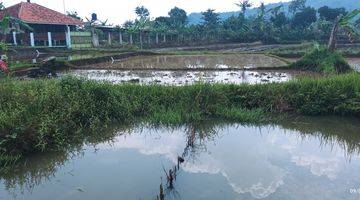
{"x":142,"y":12}
{"x":344,"y":22}
{"x":244,"y":5}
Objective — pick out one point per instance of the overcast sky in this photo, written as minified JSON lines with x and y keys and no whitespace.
{"x":118,"y":11}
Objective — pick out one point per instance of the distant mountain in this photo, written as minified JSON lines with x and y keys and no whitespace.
{"x":195,"y":18}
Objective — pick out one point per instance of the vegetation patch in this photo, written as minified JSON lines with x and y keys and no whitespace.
{"x":322,"y":60}
{"x":42,"y":115}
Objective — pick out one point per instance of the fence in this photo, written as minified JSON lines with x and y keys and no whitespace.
{"x":81,"y":39}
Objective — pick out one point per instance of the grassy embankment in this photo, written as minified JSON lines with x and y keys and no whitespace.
{"x":39,"y":115}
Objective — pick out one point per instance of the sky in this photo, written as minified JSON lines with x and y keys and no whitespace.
{"x":118,"y":11}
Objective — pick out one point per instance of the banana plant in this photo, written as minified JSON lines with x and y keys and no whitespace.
{"x":5,"y":27}
{"x":345,"y":23}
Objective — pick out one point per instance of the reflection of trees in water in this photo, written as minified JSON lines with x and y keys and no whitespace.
{"x":343,"y":132}
{"x":42,"y":167}
{"x":199,"y":61}
{"x":35,"y":170}
{"x":331,"y":131}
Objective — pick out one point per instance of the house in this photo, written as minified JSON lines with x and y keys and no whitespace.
{"x":49,"y":27}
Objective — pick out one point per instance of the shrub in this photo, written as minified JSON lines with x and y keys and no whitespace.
{"x":320,"y":59}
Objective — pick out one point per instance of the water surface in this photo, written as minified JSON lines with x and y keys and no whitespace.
{"x":188,"y":69}
{"x":182,"y":77}
{"x":303,"y":158}
{"x":216,"y":61}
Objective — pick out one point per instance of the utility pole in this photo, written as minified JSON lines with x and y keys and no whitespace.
{"x":64,"y":7}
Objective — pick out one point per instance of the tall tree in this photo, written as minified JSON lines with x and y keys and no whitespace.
{"x":211,"y":22}
{"x":178,"y":21}
{"x":296,"y":6}
{"x":330,"y":14}
{"x":259,"y":22}
{"x":178,"y":16}
{"x":278,"y":17}
{"x":211,"y":18}
{"x":304,"y":18}
{"x":142,"y":23}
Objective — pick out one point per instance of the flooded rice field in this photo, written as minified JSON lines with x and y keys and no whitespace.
{"x":182,"y":77}
{"x":175,"y":62}
{"x":303,"y":158}
{"x":354,"y":63}
{"x":183,"y":70}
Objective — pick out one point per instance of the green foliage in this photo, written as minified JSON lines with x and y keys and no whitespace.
{"x":39,"y":115}
{"x":74,"y":15}
{"x":177,"y":18}
{"x":142,"y":12}
{"x":296,"y":5}
{"x":349,"y":25}
{"x":7,"y":20}
{"x":305,"y":18}
{"x":211,"y":19}
{"x":322,"y":60}
{"x":330,"y":14}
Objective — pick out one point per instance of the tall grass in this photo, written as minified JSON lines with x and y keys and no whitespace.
{"x":39,"y":115}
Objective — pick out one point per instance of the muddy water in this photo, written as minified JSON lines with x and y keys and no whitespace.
{"x":182,"y":70}
{"x":222,"y":61}
{"x":182,"y":77}
{"x":303,"y":158}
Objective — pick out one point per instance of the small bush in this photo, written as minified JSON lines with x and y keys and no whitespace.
{"x":321,"y":59}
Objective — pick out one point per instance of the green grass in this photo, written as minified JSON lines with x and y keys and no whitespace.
{"x":320,"y":59}
{"x":42,"y":115}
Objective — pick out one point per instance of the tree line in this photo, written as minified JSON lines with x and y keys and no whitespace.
{"x":270,"y":25}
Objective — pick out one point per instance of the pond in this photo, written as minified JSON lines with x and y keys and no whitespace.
{"x":301,"y":158}
{"x":189,"y":69}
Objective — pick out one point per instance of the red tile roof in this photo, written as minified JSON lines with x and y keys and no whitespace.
{"x":33,"y":13}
